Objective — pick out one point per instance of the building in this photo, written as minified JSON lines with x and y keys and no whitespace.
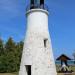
{"x":63,"y":58}
{"x":37,"y":56}
{"x":64,"y":64}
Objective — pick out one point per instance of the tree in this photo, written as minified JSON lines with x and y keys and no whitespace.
{"x":19,"y":48}
{"x":10,"y":45}
{"x":3,"y":64}
{"x":10,"y":55}
{"x":1,"y":47}
{"x":10,"y":49}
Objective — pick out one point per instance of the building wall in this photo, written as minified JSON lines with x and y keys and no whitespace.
{"x":35,"y":53}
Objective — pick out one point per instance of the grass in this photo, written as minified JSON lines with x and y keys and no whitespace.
{"x":57,"y":66}
{"x":17,"y":74}
{"x":60,"y":74}
{"x":8,"y":74}
{"x":65,"y":74}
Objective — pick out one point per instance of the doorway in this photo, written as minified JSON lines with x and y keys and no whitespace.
{"x":28,"y":69}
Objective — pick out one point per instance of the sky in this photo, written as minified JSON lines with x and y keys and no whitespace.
{"x":61,"y":23}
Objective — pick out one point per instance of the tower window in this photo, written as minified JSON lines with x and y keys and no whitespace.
{"x":32,"y":2}
{"x":41,"y":2}
{"x":45,"y":42}
{"x":28,"y":69}
{"x":37,"y":2}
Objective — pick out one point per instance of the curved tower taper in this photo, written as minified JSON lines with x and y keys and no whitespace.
{"x":37,"y":56}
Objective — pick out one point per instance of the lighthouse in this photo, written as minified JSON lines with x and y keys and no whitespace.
{"x":37,"y":56}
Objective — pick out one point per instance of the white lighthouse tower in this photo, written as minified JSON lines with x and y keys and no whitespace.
{"x":37,"y":56}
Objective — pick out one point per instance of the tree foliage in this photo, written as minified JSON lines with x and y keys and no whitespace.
{"x":1,"y":47}
{"x":10,"y":55}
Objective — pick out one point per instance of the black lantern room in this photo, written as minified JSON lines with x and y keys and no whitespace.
{"x":37,"y":4}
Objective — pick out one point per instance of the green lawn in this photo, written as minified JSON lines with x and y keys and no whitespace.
{"x":8,"y":74}
{"x":66,"y":74}
{"x":57,"y":66}
{"x":60,"y":74}
{"x":17,"y":74}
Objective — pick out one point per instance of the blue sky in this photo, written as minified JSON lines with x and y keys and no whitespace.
{"x":61,"y":23}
